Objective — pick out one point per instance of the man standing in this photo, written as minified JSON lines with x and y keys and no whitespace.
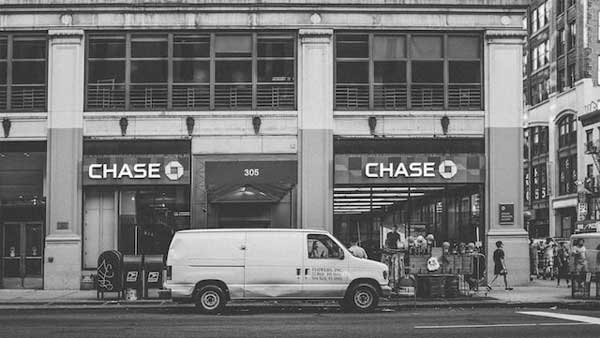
{"x":499,"y":266}
{"x":356,"y":250}
{"x":392,"y":238}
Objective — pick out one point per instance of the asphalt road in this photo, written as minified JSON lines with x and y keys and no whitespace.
{"x":479,"y":323}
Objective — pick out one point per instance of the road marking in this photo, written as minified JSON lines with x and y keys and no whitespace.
{"x":498,"y":325}
{"x":575,"y":318}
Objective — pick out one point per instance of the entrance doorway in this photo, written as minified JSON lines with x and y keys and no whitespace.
{"x":22,"y":255}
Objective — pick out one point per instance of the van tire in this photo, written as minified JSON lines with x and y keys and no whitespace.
{"x":210,"y":299}
{"x":362,"y":298}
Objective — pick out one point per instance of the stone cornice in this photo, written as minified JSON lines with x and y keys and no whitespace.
{"x":505,"y":34}
{"x":66,"y":33}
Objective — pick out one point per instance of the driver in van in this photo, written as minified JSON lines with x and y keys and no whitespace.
{"x":314,"y":251}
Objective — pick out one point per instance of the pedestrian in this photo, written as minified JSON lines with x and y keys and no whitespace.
{"x":499,"y":266}
{"x":534,"y":259}
{"x":356,"y":250}
{"x":392,"y":238}
{"x":548,"y":248}
{"x":579,"y":255}
{"x":562,"y":261}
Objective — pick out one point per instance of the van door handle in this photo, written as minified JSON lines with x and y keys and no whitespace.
{"x":298,"y":272}
{"x":243,"y":247}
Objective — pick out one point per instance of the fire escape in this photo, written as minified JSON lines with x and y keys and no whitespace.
{"x":592,"y":183}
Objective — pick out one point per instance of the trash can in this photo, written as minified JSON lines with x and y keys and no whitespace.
{"x":109,"y":274}
{"x":132,"y":276}
{"x":154,"y":266}
{"x":580,"y":285}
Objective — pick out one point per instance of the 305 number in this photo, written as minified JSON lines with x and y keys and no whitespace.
{"x":251,"y":172}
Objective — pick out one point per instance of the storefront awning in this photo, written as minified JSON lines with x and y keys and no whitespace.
{"x":255,"y":193}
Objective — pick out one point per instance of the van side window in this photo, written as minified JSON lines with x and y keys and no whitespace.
{"x":322,"y":247}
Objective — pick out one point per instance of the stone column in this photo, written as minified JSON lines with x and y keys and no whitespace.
{"x":315,"y":129}
{"x":504,"y":144}
{"x":62,"y":266}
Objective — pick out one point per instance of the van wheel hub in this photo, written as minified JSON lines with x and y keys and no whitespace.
{"x":363,"y":299}
{"x":210,"y":300}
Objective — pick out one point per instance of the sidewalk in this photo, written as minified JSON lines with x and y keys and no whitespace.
{"x":539,"y":293}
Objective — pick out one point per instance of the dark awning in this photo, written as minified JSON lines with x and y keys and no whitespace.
{"x":248,"y":193}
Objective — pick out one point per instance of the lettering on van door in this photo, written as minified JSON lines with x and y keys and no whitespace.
{"x":326,"y":274}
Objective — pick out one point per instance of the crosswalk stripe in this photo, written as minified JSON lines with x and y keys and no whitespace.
{"x":482,"y":326}
{"x":576,"y":318}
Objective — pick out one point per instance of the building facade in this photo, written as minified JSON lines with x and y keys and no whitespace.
{"x":561,"y":92}
{"x":123,"y":124}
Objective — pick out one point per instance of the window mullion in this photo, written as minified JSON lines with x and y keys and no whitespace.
{"x":408,"y":72}
{"x":212,"y":72}
{"x":371,"y":72}
{"x":127,"y":69}
{"x":254,"y":70}
{"x":9,"y":52}
{"x":170,"y":71}
{"x":446,"y":69}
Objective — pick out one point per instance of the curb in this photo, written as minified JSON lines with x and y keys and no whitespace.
{"x":90,"y":305}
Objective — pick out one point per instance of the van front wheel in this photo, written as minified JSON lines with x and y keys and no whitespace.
{"x":363,"y":298}
{"x":210,"y":299}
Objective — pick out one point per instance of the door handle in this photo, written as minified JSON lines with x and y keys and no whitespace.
{"x":298,"y":272}
{"x":242,"y":247}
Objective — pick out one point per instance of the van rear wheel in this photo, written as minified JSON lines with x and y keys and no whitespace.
{"x":362,"y":298}
{"x":210,"y":299}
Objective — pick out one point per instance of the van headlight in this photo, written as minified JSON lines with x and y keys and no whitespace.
{"x":385,"y":274}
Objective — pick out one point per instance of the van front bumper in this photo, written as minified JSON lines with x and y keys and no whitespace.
{"x":386,"y":291}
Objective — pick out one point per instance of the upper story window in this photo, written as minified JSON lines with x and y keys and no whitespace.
{"x":560,"y":7}
{"x":539,"y":17}
{"x":540,"y":141}
{"x":561,"y":41}
{"x":541,"y":54}
{"x":571,"y":75}
{"x":23,"y":75}
{"x":572,"y":36}
{"x":220,"y":71}
{"x":567,"y":131}
{"x":404,"y":71}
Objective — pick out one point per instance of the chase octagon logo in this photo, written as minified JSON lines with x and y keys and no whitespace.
{"x":447,"y":169}
{"x":173,"y":170}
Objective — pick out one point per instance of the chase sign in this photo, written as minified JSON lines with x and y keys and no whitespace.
{"x":136,"y":169}
{"x":409,"y":168}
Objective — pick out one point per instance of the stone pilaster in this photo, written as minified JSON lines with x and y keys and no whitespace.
{"x":315,"y":129}
{"x":504,"y":144}
{"x":62,"y":266}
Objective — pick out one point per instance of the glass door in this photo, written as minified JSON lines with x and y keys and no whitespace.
{"x":22,"y":255}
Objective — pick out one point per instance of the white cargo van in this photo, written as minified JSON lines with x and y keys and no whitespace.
{"x":211,"y":267}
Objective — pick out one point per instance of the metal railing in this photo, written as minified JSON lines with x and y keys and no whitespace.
{"x":390,"y":96}
{"x":464,"y":96}
{"x":400,"y":96}
{"x":3,"y":98}
{"x":233,"y":96}
{"x":427,"y":96}
{"x":192,"y":97}
{"x":351,"y":96}
{"x":275,"y":96}
{"x":148,"y":96}
{"x":106,"y":96}
{"x":25,"y":97}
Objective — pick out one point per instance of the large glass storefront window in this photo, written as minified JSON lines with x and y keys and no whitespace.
{"x":435,"y":192}
{"x":150,"y":216}
{"x":451,"y":213}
